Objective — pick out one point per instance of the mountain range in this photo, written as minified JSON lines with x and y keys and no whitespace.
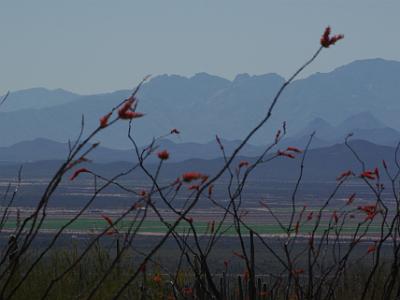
{"x":361,"y":96}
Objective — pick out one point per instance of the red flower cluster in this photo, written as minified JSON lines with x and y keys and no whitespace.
{"x":284,"y":153}
{"x":79,"y":171}
{"x":294,"y":149}
{"x":243,"y":163}
{"x":104,"y":120}
{"x":371,"y":211}
{"x":370,"y":174}
{"x":371,"y":249}
{"x":191,"y":176}
{"x":163,"y":155}
{"x":327,"y":40}
{"x":126,"y":112}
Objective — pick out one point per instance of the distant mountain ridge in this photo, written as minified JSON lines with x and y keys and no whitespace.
{"x":364,"y":126}
{"x":41,"y":149}
{"x":321,"y":164}
{"x":204,"y":105}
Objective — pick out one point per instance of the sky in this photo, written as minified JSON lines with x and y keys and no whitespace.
{"x":93,"y":46}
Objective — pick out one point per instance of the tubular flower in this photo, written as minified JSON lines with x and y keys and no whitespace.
{"x":163,"y":155}
{"x":193,"y":187}
{"x":368,"y":175}
{"x":104,"y":120}
{"x":212,"y":227}
{"x":283,"y":153}
{"x":335,"y":217}
{"x":370,"y":210}
{"x":210,"y":190}
{"x":326,"y":40}
{"x":310,"y":216}
{"x":129,"y":115}
{"x":143,"y":194}
{"x":371,"y":248}
{"x":297,"y":227}
{"x":157,"y":278}
{"x":126,"y":112}
{"x":294,"y":149}
{"x":344,"y":175}
{"x":376,"y":171}
{"x":226,"y":263}
{"x":189,"y":219}
{"x":190,"y":176}
{"x":351,"y":199}
{"x":108,"y":220}
{"x":243,"y":163}
{"x":79,"y":171}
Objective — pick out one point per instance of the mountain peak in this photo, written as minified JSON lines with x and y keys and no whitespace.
{"x":362,"y":120}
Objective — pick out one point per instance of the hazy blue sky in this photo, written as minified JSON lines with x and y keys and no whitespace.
{"x":92,"y":46}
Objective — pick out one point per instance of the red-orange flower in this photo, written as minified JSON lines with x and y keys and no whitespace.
{"x":157,"y":278}
{"x":108,"y":220}
{"x":163,"y":155}
{"x":79,"y":171}
{"x":297,"y":227}
{"x":243,"y":163}
{"x":283,"y":153}
{"x":104,"y":120}
{"x":371,"y":249}
{"x":293,"y":149}
{"x":327,"y":40}
{"x":370,"y":210}
{"x":212,"y":227}
{"x":351,"y":199}
{"x":129,"y":115}
{"x":335,"y":217}
{"x":210,"y":190}
{"x":376,"y":171}
{"x":190,"y":176}
{"x":368,"y":175}
{"x":194,"y":187}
